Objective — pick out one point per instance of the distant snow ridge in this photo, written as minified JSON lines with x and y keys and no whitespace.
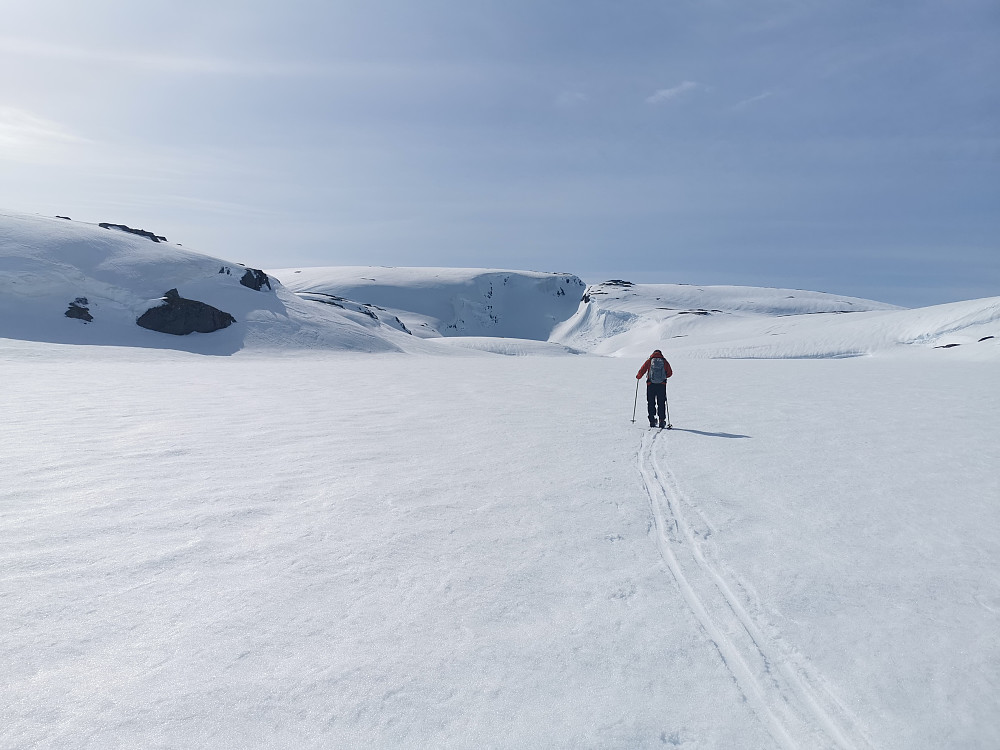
{"x":70,"y":282}
{"x":76,"y":283}
{"x":619,"y":318}
{"x":435,"y":302}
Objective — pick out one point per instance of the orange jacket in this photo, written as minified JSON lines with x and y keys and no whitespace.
{"x":644,"y":370}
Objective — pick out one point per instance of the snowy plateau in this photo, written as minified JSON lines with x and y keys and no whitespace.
{"x":410,"y":508}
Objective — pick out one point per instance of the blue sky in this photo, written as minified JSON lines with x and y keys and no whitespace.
{"x":851,"y":147}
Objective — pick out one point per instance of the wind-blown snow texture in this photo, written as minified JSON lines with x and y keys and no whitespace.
{"x":304,"y":546}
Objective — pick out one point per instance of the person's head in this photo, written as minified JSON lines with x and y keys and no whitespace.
{"x":657,"y":353}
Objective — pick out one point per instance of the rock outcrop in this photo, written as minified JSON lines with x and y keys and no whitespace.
{"x":141,"y":232}
{"x":255,"y":279}
{"x":79,"y":310}
{"x":180,"y":316}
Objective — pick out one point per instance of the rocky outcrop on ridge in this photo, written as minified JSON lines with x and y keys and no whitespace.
{"x":79,"y":310}
{"x":141,"y":232}
{"x":255,"y":279}
{"x":180,"y":316}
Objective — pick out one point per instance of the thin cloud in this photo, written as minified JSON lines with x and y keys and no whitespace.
{"x":665,"y":95}
{"x":164,"y":63}
{"x":27,"y":137}
{"x":752,"y":100}
{"x":220,"y":66}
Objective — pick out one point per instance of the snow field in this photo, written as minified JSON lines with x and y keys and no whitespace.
{"x":403,"y":551}
{"x":863,"y":510}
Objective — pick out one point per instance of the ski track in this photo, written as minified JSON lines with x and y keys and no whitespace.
{"x":792,"y":702}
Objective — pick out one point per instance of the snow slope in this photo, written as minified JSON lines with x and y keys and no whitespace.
{"x":623,"y":319}
{"x":47,"y":263}
{"x":265,"y":551}
{"x":436,"y":302}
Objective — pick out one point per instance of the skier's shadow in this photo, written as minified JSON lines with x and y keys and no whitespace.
{"x":709,"y":434}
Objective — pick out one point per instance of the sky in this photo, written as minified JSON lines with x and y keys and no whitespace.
{"x":849,"y":147}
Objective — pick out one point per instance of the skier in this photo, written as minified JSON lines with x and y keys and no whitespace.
{"x":657,"y":370}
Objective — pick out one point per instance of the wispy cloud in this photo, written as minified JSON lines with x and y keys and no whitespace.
{"x":27,"y":137}
{"x":164,"y":63}
{"x":229,"y":66}
{"x":752,"y":100}
{"x":662,"y":96}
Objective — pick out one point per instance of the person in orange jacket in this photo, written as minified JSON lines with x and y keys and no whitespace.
{"x":657,"y":370}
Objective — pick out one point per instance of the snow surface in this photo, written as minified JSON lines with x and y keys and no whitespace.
{"x":337,"y":537}
{"x":315,"y":551}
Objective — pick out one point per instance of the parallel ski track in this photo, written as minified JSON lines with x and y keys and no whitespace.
{"x":792,"y":703}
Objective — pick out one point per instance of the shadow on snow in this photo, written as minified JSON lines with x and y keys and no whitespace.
{"x":708,"y":434}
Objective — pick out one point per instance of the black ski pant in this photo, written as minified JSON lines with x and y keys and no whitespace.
{"x":656,"y":402}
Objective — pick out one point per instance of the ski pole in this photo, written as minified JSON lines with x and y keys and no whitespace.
{"x":666,"y":402}
{"x":636,"y":401}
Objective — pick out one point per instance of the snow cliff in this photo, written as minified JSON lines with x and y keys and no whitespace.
{"x":436,"y":302}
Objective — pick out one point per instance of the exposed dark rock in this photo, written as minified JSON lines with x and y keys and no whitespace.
{"x":617,"y":282}
{"x":180,"y":316}
{"x":326,"y":299}
{"x":64,"y":217}
{"x":947,"y":346}
{"x":986,"y":338}
{"x":130,"y":230}
{"x":78,"y":309}
{"x":255,"y":279}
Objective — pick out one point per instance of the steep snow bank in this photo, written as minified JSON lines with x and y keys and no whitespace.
{"x":434,"y":302}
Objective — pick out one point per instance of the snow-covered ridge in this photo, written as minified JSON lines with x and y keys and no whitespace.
{"x":71,"y":282}
{"x":434,"y":302}
{"x":619,"y":318}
